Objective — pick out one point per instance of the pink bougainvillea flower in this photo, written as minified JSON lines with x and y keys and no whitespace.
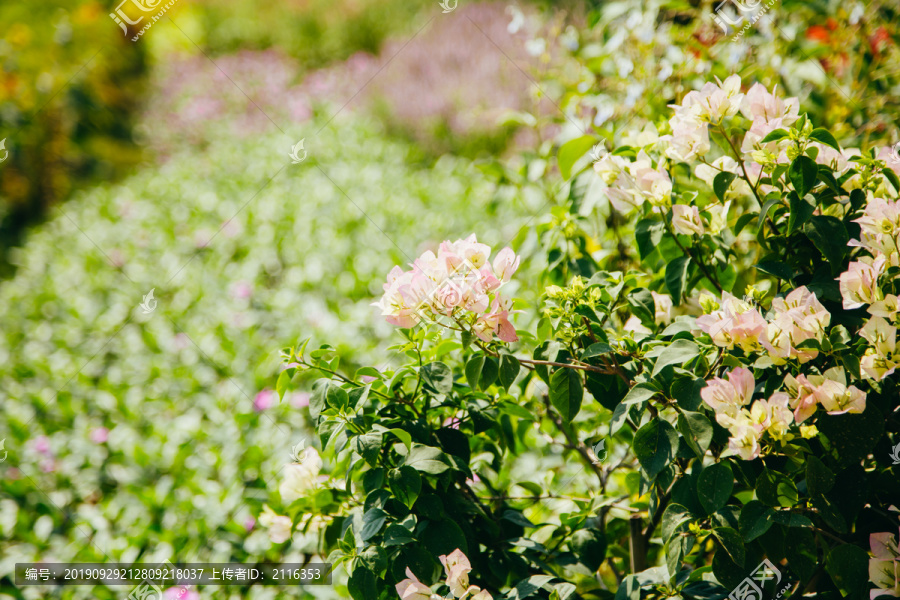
{"x":457,"y":284}
{"x":686,"y":220}
{"x":884,"y":567}
{"x":859,"y":283}
{"x":729,"y":395}
{"x":264,"y":399}
{"x":413,"y":589}
{"x":456,"y":568}
{"x":99,"y":435}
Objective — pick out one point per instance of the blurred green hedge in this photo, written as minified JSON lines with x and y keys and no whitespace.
{"x":69,"y":88}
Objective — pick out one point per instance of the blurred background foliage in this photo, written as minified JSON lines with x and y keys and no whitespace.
{"x":136,"y":436}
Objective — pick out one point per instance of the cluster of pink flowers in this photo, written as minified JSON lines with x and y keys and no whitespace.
{"x":633,"y":183}
{"x":690,"y":123}
{"x":796,"y":318}
{"x":728,"y":397}
{"x":458,"y":284}
{"x":829,"y":389}
{"x":884,"y":566}
{"x":456,"y":569}
{"x":859,"y":285}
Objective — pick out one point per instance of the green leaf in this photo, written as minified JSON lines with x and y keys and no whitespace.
{"x":283,"y":383}
{"x":673,"y":518}
{"x":676,"y":277}
{"x":405,"y":484}
{"x":804,"y":173}
{"x":566,"y":393}
{"x":774,"y":136}
{"x":675,"y":550}
{"x":648,"y":233}
{"x":527,"y":588}
{"x":679,"y":352}
{"x":852,"y":437}
{"x":819,"y":478}
{"x":829,"y":235}
{"x":509,"y":370}
{"x":654,"y":445}
{"x":776,"y":268}
{"x":848,"y":567}
{"x":361,"y":584}
{"x":571,"y":151}
{"x":598,"y":349}
{"x":375,"y":559}
{"x":892,"y":177}
{"x":368,"y":445}
{"x":789,"y":519}
{"x":802,"y":208}
{"x":438,"y":377}
{"x":714,"y":487}
{"x":473,"y":370}
{"x":641,"y":300}
{"x":589,"y":545}
{"x":427,"y":459}
{"x":756,"y":519}
{"x":403,"y":437}
{"x":514,"y":516}
{"x":397,"y":535}
{"x":325,"y":394}
{"x":775,"y":489}
{"x":721,"y":183}
{"x":824,"y":136}
{"x":772,"y":202}
{"x":372,"y":521}
{"x":639,"y":393}
{"x":732,"y":543}
{"x":697,"y":431}
{"x":443,"y":537}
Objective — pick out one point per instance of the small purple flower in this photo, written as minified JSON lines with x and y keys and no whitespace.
{"x":249,"y":523}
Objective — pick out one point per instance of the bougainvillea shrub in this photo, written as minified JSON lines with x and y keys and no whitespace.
{"x":730,"y":397}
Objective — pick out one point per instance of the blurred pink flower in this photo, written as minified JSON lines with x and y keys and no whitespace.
{"x":264,"y":399}
{"x":249,"y":523}
{"x":300,"y":399}
{"x":42,"y":445}
{"x":99,"y":435}
{"x":241,"y":290}
{"x":181,"y":592}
